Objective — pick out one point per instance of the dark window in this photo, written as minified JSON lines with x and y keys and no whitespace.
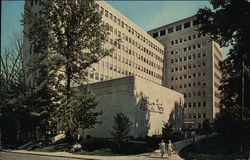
{"x":186,"y":25}
{"x":171,"y":30}
{"x":163,"y":32}
{"x":155,"y":34}
{"x":204,"y":104}
{"x":177,"y":28}
{"x":195,"y":22}
{"x":106,"y":13}
{"x":180,"y":40}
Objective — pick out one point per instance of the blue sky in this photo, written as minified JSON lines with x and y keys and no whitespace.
{"x":146,"y":14}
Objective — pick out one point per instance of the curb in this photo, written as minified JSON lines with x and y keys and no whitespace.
{"x":46,"y":155}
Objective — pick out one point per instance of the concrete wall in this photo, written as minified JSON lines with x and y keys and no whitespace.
{"x":147,"y":105}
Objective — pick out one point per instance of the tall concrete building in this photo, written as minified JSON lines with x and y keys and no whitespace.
{"x":137,"y":54}
{"x":191,"y":66}
{"x":130,"y":80}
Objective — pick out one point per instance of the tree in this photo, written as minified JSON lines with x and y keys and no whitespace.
{"x":167,"y":132}
{"x":66,"y":37}
{"x":229,"y":23}
{"x":206,"y":125}
{"x":121,"y":128}
{"x":79,"y":112}
{"x":22,"y":108}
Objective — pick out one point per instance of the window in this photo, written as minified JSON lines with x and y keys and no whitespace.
{"x":204,"y":115}
{"x":204,"y":104}
{"x":194,"y":36}
{"x":111,"y":16}
{"x":177,"y":28}
{"x":204,"y":93}
{"x":194,"y":104}
{"x":106,"y":13}
{"x":199,"y":104}
{"x":199,"y":46}
{"x":199,"y":115}
{"x":186,"y":25}
{"x":172,"y":42}
{"x":171,"y":30}
{"x":189,"y":105}
{"x":189,"y":38}
{"x":185,"y":105}
{"x":163,"y":32}
{"x":180,"y":40}
{"x":189,"y":115}
{"x":155,"y":34}
{"x":195,"y":22}
{"x":97,"y":76}
{"x":194,"y":116}
{"x":176,"y":41}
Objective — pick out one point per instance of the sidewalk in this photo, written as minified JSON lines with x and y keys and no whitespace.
{"x":145,"y":156}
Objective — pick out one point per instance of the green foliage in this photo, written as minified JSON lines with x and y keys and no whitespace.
{"x":167,"y":132}
{"x":67,"y":37}
{"x":78,"y":112}
{"x":206,"y":125}
{"x":229,"y":24}
{"x":121,"y":127}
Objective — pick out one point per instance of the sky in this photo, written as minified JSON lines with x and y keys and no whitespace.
{"x":146,"y":14}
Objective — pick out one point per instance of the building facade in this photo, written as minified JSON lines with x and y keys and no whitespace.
{"x":191,"y":66}
{"x":141,"y":101}
{"x":136,"y":54}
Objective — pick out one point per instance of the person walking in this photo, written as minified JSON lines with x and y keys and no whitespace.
{"x":170,"y":148}
{"x":162,"y":147}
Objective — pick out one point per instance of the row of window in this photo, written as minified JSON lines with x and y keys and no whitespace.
{"x":194,"y":104}
{"x":188,"y":38}
{"x":194,"y":94}
{"x":128,"y":28}
{"x":138,"y":67}
{"x":133,"y":64}
{"x":185,"y":58}
{"x":140,"y":47}
{"x":194,"y":84}
{"x":194,"y":115}
{"x":187,"y":67}
{"x":176,"y":28}
{"x":103,"y":77}
{"x":188,"y":76}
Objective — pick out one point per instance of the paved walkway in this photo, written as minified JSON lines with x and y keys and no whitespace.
{"x":145,"y":156}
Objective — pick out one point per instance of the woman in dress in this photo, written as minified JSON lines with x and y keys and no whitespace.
{"x":162,"y":147}
{"x":170,"y":148}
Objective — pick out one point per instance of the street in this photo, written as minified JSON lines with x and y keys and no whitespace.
{"x":26,"y":155}
{"x":20,"y":156}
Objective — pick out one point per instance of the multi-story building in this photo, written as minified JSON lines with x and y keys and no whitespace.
{"x":132,"y":78}
{"x":192,"y":68}
{"x":137,"y":54}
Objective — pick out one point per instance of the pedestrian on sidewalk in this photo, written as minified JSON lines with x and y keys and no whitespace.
{"x":170,"y":148}
{"x":162,"y":147}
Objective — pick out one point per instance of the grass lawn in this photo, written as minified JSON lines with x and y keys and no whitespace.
{"x":214,"y":148}
{"x":103,"y":147}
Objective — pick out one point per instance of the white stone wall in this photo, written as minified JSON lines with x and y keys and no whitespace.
{"x":138,"y":99}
